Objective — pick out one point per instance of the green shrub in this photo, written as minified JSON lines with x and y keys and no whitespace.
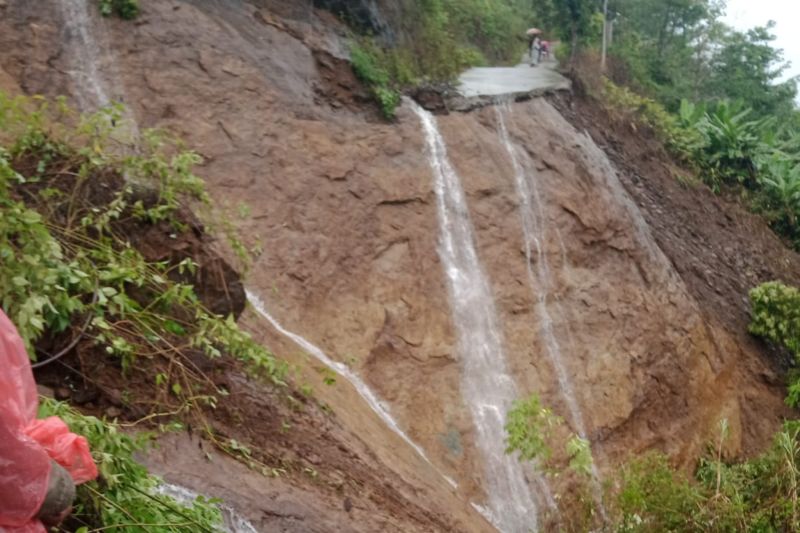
{"x":368,"y":64}
{"x":66,"y":256}
{"x":758,"y":495}
{"x":776,"y":317}
{"x":732,"y":143}
{"x":126,"y":9}
{"x":655,"y":497}
{"x":530,"y":431}
{"x":683,"y":139}
{"x":779,"y":179}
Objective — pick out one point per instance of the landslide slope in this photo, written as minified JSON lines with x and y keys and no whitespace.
{"x":647,"y":299}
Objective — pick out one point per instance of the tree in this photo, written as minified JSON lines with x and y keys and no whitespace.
{"x":665,"y":45}
{"x":749,"y":68}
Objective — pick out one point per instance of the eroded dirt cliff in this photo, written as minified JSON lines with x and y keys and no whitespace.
{"x":342,"y":204}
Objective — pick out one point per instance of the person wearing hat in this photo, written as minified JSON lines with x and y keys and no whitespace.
{"x":536,"y":50}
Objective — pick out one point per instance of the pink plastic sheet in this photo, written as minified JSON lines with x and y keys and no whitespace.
{"x":26,"y":444}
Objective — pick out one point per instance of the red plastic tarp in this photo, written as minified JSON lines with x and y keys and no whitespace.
{"x":26,"y":444}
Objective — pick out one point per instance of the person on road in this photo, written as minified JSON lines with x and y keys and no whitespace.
{"x":545,"y":50}
{"x":536,"y":51}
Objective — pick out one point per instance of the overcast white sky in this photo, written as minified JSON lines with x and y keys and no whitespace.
{"x":744,"y":14}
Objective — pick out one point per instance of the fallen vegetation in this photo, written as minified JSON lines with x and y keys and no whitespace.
{"x":102,"y":268}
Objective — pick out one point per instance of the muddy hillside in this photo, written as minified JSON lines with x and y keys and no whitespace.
{"x":431,"y":261}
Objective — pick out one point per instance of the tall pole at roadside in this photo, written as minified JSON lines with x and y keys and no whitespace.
{"x":605,"y":36}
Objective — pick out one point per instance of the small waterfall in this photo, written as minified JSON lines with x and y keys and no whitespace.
{"x":91,"y":91}
{"x":534,"y":230}
{"x":540,"y":282}
{"x":377,"y":406}
{"x":232,"y":521}
{"x":487,"y":387}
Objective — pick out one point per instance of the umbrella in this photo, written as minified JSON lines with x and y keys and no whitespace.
{"x":533,"y":31}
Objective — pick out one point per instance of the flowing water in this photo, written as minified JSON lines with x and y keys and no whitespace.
{"x":487,"y":387}
{"x":377,"y":406}
{"x":232,"y":521}
{"x":91,"y":90}
{"x":540,"y":281}
{"x":86,"y":40}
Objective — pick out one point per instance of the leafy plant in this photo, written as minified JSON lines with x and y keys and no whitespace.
{"x":776,"y":317}
{"x":732,"y":142}
{"x":125,"y":496}
{"x":367,"y":61}
{"x":531,"y":429}
{"x":66,"y":254}
{"x":779,"y":177}
{"x":755,"y":495}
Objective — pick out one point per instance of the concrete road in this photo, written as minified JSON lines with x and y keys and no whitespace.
{"x":522,"y":79}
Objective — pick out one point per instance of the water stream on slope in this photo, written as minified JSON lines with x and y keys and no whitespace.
{"x":377,"y":406}
{"x":232,"y":521}
{"x":540,"y":281}
{"x":91,"y":89}
{"x":487,"y":388}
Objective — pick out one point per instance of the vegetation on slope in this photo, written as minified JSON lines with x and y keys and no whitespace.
{"x":649,"y":494}
{"x":125,"y":496}
{"x":73,"y":280}
{"x":126,"y":9}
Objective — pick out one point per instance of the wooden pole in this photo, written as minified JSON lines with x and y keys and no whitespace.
{"x":604,"y":48}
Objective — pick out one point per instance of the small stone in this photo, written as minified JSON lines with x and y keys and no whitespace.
{"x":113,"y":412}
{"x":314,"y":459}
{"x":348,"y":504}
{"x":63,"y":393}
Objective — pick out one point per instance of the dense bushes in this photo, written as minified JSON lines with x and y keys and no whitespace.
{"x":755,"y":495}
{"x":648,"y":493}
{"x":63,"y":242}
{"x":368,"y":63}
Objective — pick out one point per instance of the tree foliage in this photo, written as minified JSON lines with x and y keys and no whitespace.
{"x":680,"y":49}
